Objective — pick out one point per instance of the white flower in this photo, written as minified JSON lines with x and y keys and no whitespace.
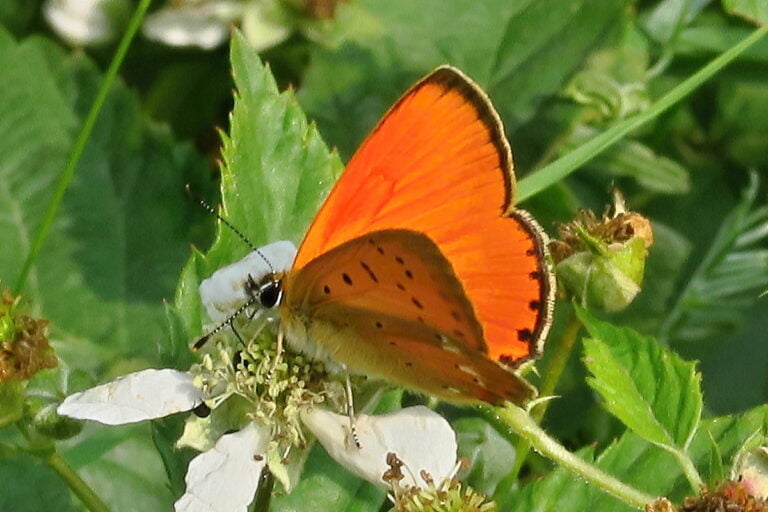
{"x":85,"y":22}
{"x":225,"y":290}
{"x":268,"y":405}
{"x":206,"y":23}
{"x":225,"y":477}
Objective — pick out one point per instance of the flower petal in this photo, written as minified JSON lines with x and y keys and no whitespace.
{"x":139,"y":396}
{"x":205,"y":25}
{"x":421,"y":438}
{"x":225,"y":478}
{"x":262,"y":29}
{"x":80,"y":22}
{"x":225,"y":290}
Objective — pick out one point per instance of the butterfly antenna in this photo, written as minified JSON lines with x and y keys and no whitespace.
{"x":210,"y":209}
{"x":231,"y":318}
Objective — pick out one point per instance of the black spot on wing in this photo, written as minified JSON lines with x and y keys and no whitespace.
{"x":367,"y":268}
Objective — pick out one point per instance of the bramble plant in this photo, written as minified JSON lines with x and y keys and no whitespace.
{"x":652,"y":381}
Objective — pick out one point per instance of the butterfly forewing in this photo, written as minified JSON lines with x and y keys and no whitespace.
{"x":388,"y":304}
{"x":439,"y":163}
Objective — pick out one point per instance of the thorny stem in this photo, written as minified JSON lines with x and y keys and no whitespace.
{"x":80,"y":142}
{"x":521,"y":423}
{"x":562,"y":352}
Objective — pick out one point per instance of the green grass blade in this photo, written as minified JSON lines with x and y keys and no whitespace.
{"x":82,"y":139}
{"x":559,"y":169}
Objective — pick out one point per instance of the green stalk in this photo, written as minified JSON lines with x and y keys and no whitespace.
{"x":82,"y":139}
{"x":78,"y":486}
{"x":520,"y":423}
{"x":562,"y":351}
{"x":559,"y":169}
{"x":689,"y":469}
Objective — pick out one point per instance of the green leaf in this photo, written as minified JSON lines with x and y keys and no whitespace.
{"x":489,"y":454}
{"x":15,"y":15}
{"x":728,"y":279}
{"x":634,"y":159}
{"x":667,"y":18}
{"x":755,"y":11}
{"x":277,"y":170}
{"x":638,"y":463}
{"x":716,"y":469}
{"x":118,"y":242}
{"x":121,"y":235}
{"x":276,"y":173}
{"x":122,"y":465}
{"x":741,"y":125}
{"x":28,"y":486}
{"x":647,"y":386}
{"x":519,"y":51}
{"x":712,"y":36}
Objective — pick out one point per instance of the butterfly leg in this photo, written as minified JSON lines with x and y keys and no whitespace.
{"x":350,"y":410}
{"x":278,"y":352}
{"x":237,"y":334}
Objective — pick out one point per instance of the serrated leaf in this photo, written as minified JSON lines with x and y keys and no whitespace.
{"x":277,"y":170}
{"x":276,"y":173}
{"x":519,"y":51}
{"x":647,"y":386}
{"x":637,"y":463}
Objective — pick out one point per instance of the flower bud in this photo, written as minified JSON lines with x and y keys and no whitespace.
{"x":24,"y":348}
{"x":42,"y":417}
{"x":601,"y":261}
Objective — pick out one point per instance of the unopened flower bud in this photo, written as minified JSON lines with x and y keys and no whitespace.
{"x":44,"y":419}
{"x":601,"y":261}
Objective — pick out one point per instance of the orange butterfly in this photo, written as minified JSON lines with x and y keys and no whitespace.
{"x":418,"y":269}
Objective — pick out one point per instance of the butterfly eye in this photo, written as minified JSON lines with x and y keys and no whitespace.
{"x":270,"y":293}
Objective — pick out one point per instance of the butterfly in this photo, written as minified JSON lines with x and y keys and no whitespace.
{"x":418,"y":269}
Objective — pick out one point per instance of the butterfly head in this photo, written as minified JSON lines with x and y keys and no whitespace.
{"x":268,"y":291}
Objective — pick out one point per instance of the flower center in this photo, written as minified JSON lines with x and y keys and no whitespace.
{"x":243,"y":371}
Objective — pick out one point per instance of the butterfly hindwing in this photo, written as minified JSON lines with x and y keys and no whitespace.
{"x":388,"y":304}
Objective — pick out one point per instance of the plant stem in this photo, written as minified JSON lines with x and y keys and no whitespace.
{"x":82,"y":138}
{"x":562,"y":167}
{"x":81,"y":489}
{"x":562,"y":351}
{"x":689,"y":470}
{"x":521,"y":423}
